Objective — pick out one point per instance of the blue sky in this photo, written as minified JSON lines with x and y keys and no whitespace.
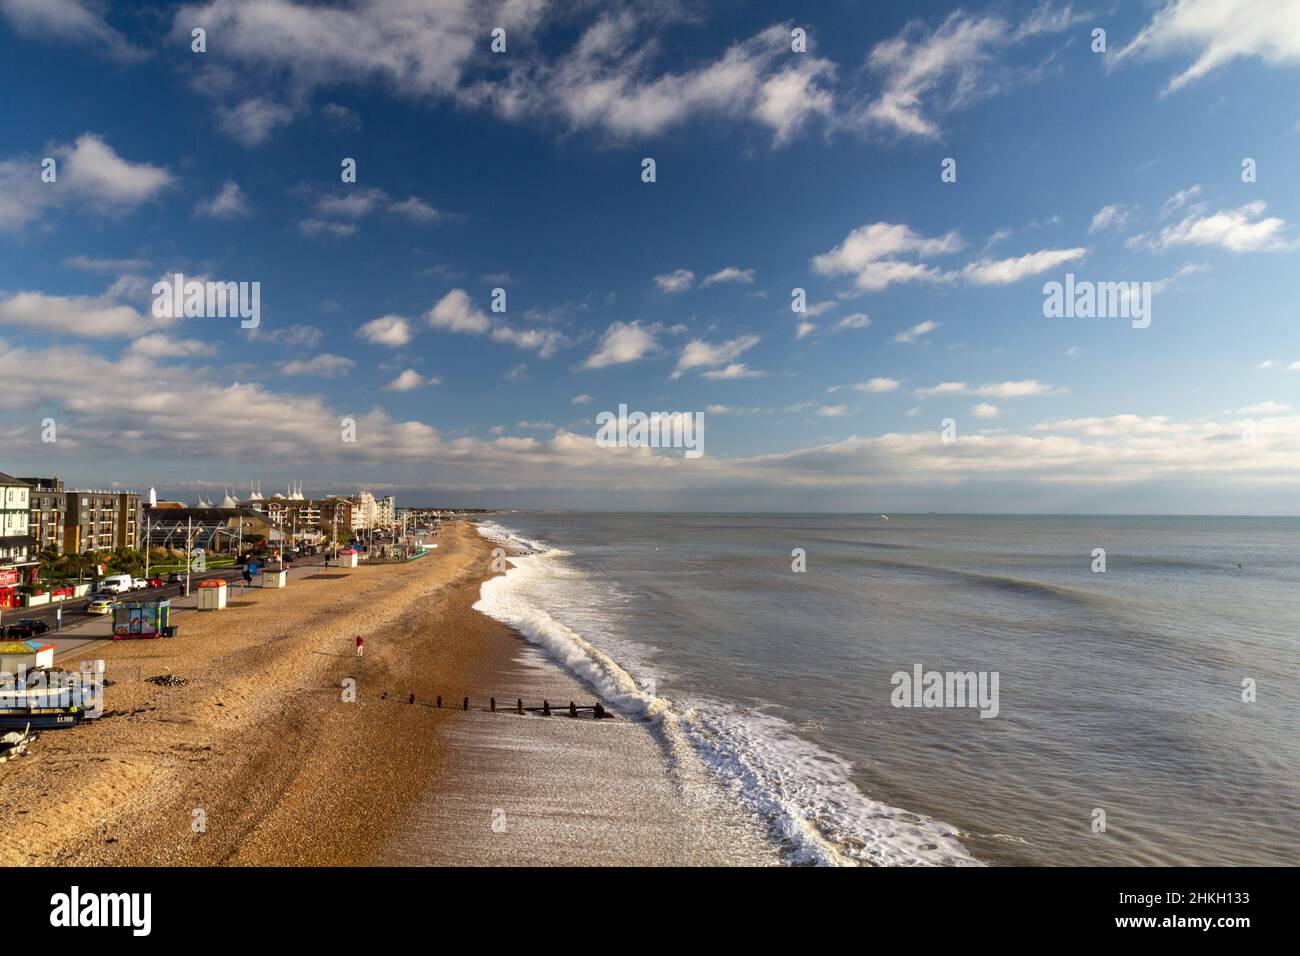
{"x":775,"y":170}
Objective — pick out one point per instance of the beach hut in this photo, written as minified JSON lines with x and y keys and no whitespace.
{"x":141,"y":619}
{"x":25,"y":655}
{"x":212,"y":595}
{"x":348,"y":558}
{"x":274,"y":577}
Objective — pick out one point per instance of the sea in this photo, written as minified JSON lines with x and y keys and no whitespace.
{"x":1140,"y":690}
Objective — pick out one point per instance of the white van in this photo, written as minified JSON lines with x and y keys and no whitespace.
{"x":117,"y":583}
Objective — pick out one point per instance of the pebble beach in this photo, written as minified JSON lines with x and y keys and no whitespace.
{"x":254,"y":756}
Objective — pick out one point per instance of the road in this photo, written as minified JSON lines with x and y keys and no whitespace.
{"x":80,"y":628}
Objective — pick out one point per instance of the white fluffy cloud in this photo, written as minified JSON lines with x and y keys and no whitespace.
{"x":1115,"y":214}
{"x":324,"y":365}
{"x":337,"y":214}
{"x":158,"y":345}
{"x":1216,"y":32}
{"x":735,"y":370}
{"x":390,"y":330}
{"x":872,"y":254}
{"x":1264,"y":408}
{"x":76,"y":21}
{"x":622,"y":342}
{"x":92,"y":169}
{"x":926,"y":71}
{"x":1180,"y":199}
{"x":1018,"y":389}
{"x":878,"y":385}
{"x":609,"y":82}
{"x":91,"y":176}
{"x":920,"y":330}
{"x":252,"y":121}
{"x":415,"y":48}
{"x":352,"y":203}
{"x":679,"y":280}
{"x":1121,"y":463}
{"x":858,"y":320}
{"x":1006,"y":271}
{"x":410,"y":380}
{"x":1244,"y":229}
{"x":103,"y":316}
{"x":322,"y":227}
{"x":544,"y":342}
{"x":729,"y":274}
{"x":916,"y":62}
{"x":698,"y":353}
{"x":229,"y":203}
{"x":884,"y":253}
{"x":455,"y":312}
{"x":416,"y":210}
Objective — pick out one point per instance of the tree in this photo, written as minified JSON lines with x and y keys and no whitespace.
{"x":52,"y":564}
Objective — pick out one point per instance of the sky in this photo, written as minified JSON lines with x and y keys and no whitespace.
{"x":920,"y":171}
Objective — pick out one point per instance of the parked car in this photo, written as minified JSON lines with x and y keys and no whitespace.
{"x":176,"y":577}
{"x":100,"y":605}
{"x":26,"y":627}
{"x":155,"y":582}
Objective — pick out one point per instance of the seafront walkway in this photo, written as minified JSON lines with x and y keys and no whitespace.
{"x":80,"y":629}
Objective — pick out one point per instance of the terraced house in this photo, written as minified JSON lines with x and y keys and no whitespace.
{"x":18,"y":560}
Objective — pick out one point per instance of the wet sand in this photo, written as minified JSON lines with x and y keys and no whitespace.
{"x":537,"y":791}
{"x":258,"y":759}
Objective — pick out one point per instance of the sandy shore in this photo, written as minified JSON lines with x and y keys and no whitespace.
{"x":286,"y":772}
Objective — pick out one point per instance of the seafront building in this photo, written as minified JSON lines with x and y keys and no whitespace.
{"x":18,"y":562}
{"x":173,"y":525}
{"x":77,"y":520}
{"x":291,"y":518}
{"x":39,"y":515}
{"x":49,"y":505}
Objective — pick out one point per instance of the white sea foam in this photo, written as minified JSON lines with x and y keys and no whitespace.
{"x":805,"y":795}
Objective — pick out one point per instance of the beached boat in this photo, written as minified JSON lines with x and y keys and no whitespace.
{"x":51,"y":704}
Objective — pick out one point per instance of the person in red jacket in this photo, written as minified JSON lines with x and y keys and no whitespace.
{"x":361,"y":644}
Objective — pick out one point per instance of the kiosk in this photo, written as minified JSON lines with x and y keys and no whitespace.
{"x":141,"y":619}
{"x":212,"y":595}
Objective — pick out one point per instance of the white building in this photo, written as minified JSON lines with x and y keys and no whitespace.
{"x":366,"y":511}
